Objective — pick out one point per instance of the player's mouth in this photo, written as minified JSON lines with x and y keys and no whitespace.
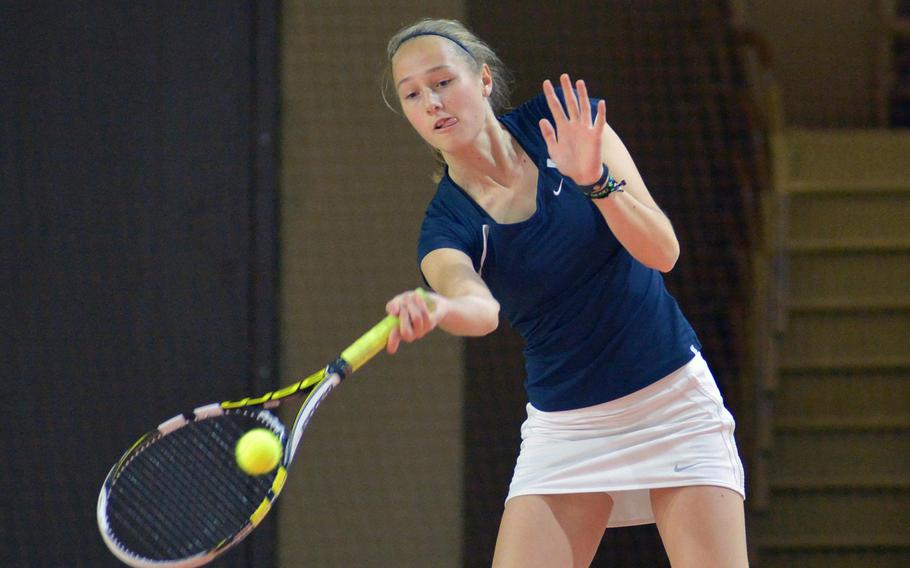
{"x":444,"y":124}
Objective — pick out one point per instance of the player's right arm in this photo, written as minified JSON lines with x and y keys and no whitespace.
{"x":462,"y":304}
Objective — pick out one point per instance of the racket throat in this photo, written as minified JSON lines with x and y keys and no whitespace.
{"x":339,"y":367}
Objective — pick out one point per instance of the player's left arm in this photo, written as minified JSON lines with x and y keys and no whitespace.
{"x":632,"y":214}
{"x":580,"y":144}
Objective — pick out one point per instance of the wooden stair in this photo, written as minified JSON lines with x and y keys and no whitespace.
{"x":835,"y":462}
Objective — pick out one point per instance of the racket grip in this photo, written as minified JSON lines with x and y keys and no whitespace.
{"x":374,"y":341}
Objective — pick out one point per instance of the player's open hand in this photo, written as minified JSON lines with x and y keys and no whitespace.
{"x":416,"y":318}
{"x":576,"y":142}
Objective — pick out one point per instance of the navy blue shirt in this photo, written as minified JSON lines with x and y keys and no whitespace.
{"x":597,"y":324}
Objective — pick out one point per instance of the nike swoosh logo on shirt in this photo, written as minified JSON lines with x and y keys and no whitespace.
{"x":679,"y":468}
{"x":559,"y":190}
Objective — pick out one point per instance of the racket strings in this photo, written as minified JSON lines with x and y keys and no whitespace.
{"x":183,"y":494}
{"x":196,"y":526}
{"x":192,"y":519}
{"x":153,"y":501}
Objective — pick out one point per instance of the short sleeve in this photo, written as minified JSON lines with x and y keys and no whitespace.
{"x":444,"y":227}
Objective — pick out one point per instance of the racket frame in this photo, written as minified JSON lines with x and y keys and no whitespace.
{"x":316,"y":387}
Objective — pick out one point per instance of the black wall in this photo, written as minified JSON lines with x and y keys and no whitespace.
{"x":137,"y":244}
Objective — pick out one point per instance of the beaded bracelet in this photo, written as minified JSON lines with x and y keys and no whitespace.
{"x":611,"y":186}
{"x":603,"y":187}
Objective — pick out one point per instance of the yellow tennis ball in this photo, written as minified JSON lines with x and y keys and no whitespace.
{"x":258,"y":451}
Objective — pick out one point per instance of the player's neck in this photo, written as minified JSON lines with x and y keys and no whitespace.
{"x":494,"y":160}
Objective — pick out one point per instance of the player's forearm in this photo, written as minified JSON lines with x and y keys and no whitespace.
{"x":465,"y":305}
{"x":644,"y":231}
{"x":470,"y":315}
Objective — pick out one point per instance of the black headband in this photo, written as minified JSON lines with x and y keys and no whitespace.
{"x":412,"y":35}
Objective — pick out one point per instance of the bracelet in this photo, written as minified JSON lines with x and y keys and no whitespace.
{"x":598,"y":185}
{"x":611,"y":186}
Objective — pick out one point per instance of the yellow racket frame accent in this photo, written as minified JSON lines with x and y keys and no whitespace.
{"x":365,"y":348}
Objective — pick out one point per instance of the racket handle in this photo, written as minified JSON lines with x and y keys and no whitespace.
{"x":373,"y":341}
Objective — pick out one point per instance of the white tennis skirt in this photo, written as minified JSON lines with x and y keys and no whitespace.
{"x":673,"y":433}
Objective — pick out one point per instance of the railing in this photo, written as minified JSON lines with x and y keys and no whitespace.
{"x":894,"y":27}
{"x":768,"y":314}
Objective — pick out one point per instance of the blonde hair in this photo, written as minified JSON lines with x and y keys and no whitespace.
{"x":474,"y":51}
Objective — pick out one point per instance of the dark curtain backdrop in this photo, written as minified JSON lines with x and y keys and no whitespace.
{"x":137,"y":244}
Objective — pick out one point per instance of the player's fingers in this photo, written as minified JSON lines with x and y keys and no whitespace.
{"x":392,"y":344}
{"x":600,"y":120}
{"x":423,"y":322}
{"x":393,"y":306}
{"x":405,"y":328}
{"x":549,"y":134}
{"x":559,"y":115}
{"x":569,"y":95}
{"x":584,"y":103}
{"x":415,"y":312}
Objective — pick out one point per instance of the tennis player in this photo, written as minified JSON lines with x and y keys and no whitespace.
{"x":541,"y":212}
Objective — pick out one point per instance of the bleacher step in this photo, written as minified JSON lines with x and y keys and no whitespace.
{"x":798,"y":484}
{"x":847,"y":154}
{"x":852,"y":187}
{"x":822,"y":336}
{"x":842,"y":364}
{"x":838,"y":424}
{"x":822,"y":456}
{"x":841,"y":554}
{"x":847,"y":245}
{"x":841,"y":274}
{"x":848,"y":304}
{"x":848,"y":216}
{"x":863,"y":518}
{"x":846,"y":394}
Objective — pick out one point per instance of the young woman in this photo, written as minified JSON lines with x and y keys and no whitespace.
{"x":542,"y":213}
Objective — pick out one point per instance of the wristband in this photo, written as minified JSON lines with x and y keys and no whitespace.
{"x":598,"y":185}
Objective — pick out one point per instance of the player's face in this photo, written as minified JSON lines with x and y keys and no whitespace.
{"x":442,"y":96}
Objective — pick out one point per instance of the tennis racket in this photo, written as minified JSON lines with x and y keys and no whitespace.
{"x":177,"y":496}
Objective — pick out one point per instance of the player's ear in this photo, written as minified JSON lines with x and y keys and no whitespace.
{"x":486,"y":80}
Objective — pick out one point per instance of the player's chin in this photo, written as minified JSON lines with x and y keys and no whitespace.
{"x":446,"y":142}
